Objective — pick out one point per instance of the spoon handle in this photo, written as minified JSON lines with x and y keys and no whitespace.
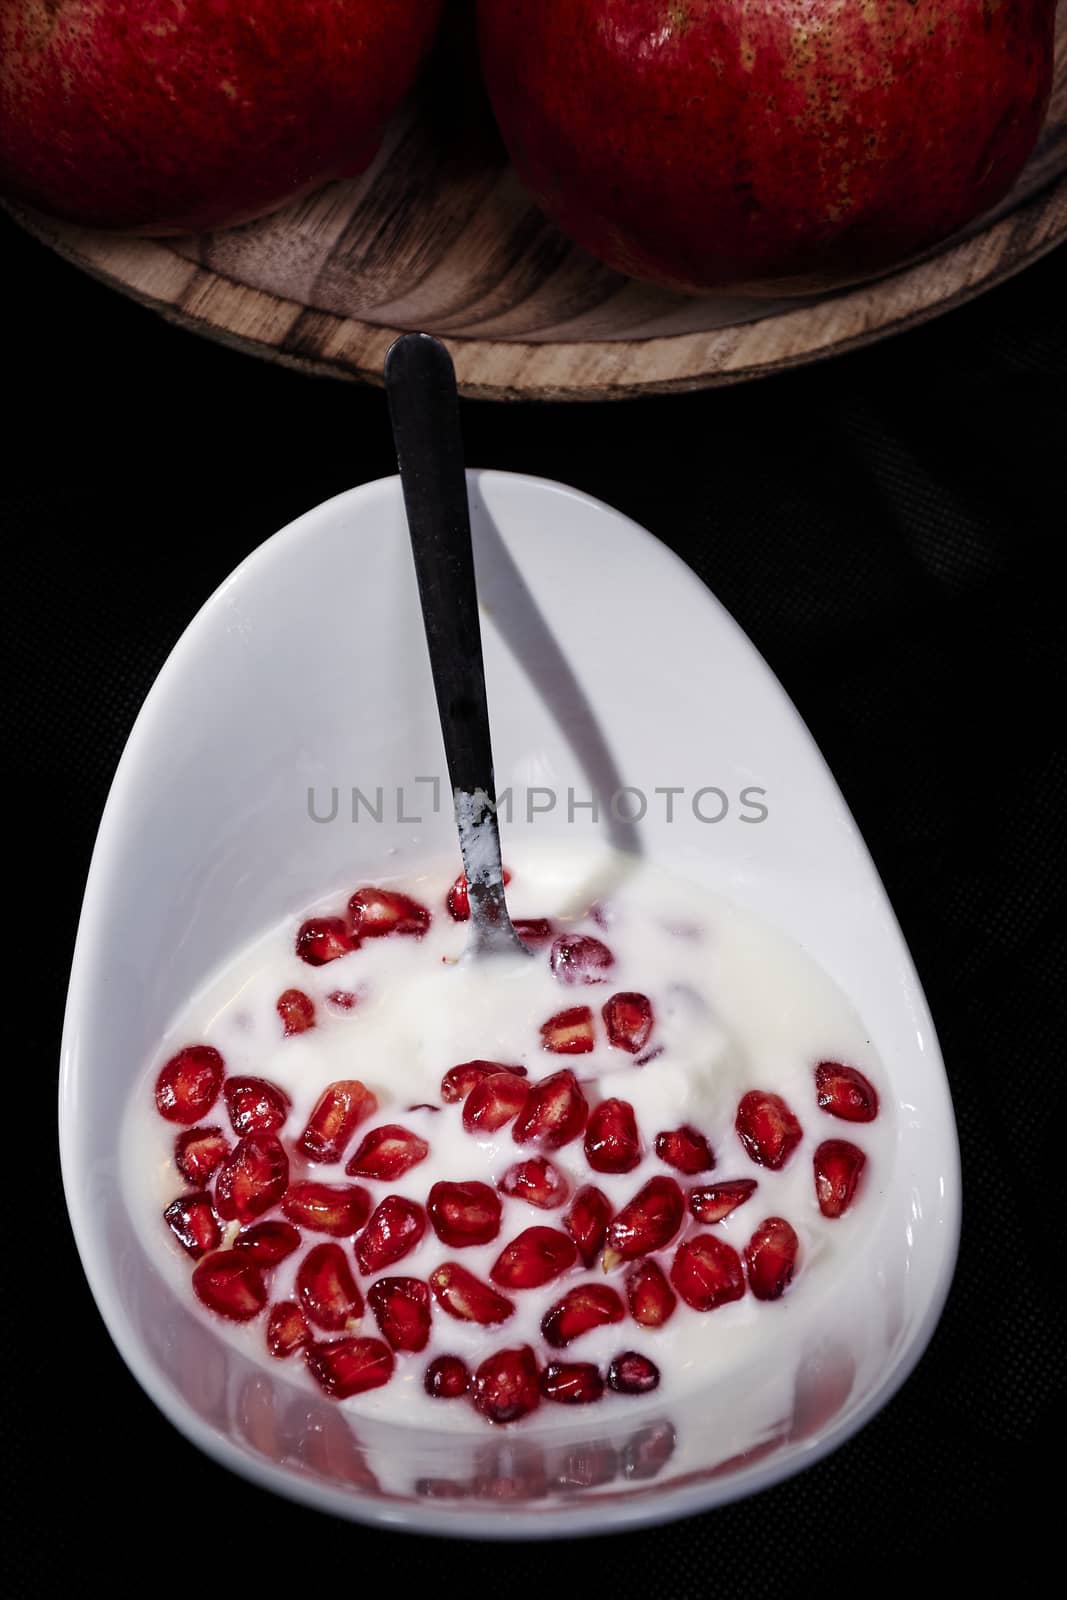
{"x":420,"y":382}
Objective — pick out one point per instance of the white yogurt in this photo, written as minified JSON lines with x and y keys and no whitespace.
{"x":737,"y":1007}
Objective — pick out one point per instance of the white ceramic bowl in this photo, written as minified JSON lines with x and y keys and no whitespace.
{"x":609,"y":665}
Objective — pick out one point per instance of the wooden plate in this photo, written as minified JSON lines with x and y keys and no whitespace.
{"x":440,"y":235}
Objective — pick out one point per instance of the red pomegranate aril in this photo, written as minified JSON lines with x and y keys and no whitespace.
{"x":707,"y":1272}
{"x":633,"y":1373}
{"x":447,"y":1378}
{"x":532,"y":930}
{"x":323,"y":939}
{"x":718,"y":1200}
{"x":464,"y":1213}
{"x":287,"y":1329}
{"x":506,"y":1385}
{"x":838,"y":1168}
{"x":771,"y":1258}
{"x":344,"y":1367}
{"x":572,"y":1383}
{"x":193,"y":1223}
{"x":340,"y":1109}
{"x":628,"y":1018}
{"x":466,"y":1297}
{"x":587,"y":1222}
{"x":327,"y":1288}
{"x":458,"y":901}
{"x":686,"y":1150}
{"x":555,"y":1112}
{"x":342,"y":1000}
{"x":267,"y":1243}
{"x":586,"y":1306}
{"x":401,"y":1309}
{"x":612,"y":1143}
{"x":844,"y":1092}
{"x":395,"y":1228}
{"x":568,"y":1033}
{"x":297,"y":1011}
{"x":536,"y":1181}
{"x":534,"y":1257}
{"x":198,"y":1151}
{"x":253,"y":1177}
{"x":647,"y":1452}
{"x":458,"y":1082}
{"x":373,"y":913}
{"x":189,"y":1084}
{"x":255,"y":1106}
{"x":387,"y":1153}
{"x":579,"y":958}
{"x":337,"y":1208}
{"x":230,"y":1284}
{"x":647,"y":1222}
{"x":651,"y":1299}
{"x":493,"y":1102}
{"x":767,"y":1128}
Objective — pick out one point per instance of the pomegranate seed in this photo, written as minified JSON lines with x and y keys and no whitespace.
{"x":587,"y":1222}
{"x":323,"y":939}
{"x":255,"y":1106}
{"x":568,"y":1033}
{"x":493,"y":1102}
{"x":586,"y":1306}
{"x":198,"y":1151}
{"x":707,"y":1273}
{"x":628,"y":1019}
{"x":447,"y":1378}
{"x":532,"y":930}
{"x":466,"y":1298}
{"x":648,"y":1451}
{"x":340,"y":1109}
{"x":458,"y":902}
{"x":846,"y":1093}
{"x":586,"y":1466}
{"x":387,"y":1153}
{"x":554,"y":1114}
{"x":716,"y":1202}
{"x":286,"y":1329}
{"x":393,"y":1231}
{"x":337,"y":1208}
{"x":579,"y":958}
{"x":768,"y":1129}
{"x":612,"y":1143}
{"x":506,"y":1387}
{"x":327,"y":1289}
{"x":342,"y":1000}
{"x":572,"y":1383}
{"x":686,"y":1150}
{"x":651,"y":1299}
{"x":343,"y":1367}
{"x":267,"y":1243}
{"x":535,"y":1257}
{"x":375,"y":912}
{"x":464,"y":1213}
{"x":189,"y":1084}
{"x":401,"y":1309}
{"x":838,"y":1166}
{"x":296,"y":1010}
{"x":253,"y":1177}
{"x":458,"y":1082}
{"x":771,"y":1258}
{"x":647,"y":1222}
{"x":536,"y":1181}
{"x":230,"y":1284}
{"x":194,"y":1224}
{"x":632,"y":1373}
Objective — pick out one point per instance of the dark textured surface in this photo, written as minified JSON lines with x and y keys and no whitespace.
{"x":886,"y":528}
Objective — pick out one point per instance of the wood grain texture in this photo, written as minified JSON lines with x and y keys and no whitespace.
{"x":440,"y":235}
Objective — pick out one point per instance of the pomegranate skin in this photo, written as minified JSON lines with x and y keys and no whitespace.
{"x":174,"y":116}
{"x":785,"y":146}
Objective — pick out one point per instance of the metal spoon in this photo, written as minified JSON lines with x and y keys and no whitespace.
{"x":420,"y":382}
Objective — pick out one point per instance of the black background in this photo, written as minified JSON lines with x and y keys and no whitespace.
{"x":887,"y":528}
